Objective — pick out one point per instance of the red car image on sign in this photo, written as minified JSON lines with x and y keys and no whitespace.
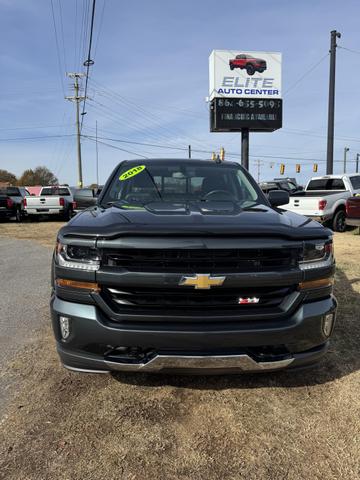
{"x":249,"y":63}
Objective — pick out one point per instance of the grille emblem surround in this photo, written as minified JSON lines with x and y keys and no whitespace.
{"x":248,"y":300}
{"x":202,"y":281}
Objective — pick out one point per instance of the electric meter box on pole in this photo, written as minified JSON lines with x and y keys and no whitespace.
{"x":245,"y":91}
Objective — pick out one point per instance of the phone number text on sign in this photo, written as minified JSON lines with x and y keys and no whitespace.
{"x":248,"y":103}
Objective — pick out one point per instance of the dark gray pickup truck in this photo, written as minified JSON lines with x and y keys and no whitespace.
{"x":12,"y":202}
{"x":185,"y":265}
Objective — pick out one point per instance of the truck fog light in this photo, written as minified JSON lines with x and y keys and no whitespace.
{"x":64,"y":327}
{"x":328,"y":322}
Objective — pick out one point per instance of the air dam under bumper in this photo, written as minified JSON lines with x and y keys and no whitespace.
{"x":192,"y":351}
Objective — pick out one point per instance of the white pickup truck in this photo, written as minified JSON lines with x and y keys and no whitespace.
{"x":53,"y":200}
{"x":324,"y":199}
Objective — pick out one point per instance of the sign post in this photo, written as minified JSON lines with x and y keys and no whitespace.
{"x":245,"y":148}
{"x":245,"y":94}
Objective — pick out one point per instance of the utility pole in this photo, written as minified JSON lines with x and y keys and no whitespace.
{"x":189,"y":151}
{"x":97,"y":155}
{"x":245,"y":148}
{"x":357,"y":162}
{"x":331,"y":109}
{"x":77,"y":99}
{"x":258,"y":163}
{"x":346,"y":149}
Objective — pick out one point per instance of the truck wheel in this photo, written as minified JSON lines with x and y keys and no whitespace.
{"x":338,"y":221}
{"x":232,"y":67}
{"x":67,"y":215}
{"x":250,"y":69}
{"x":18,"y":215}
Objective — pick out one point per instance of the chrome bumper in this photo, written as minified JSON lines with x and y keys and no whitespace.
{"x":241,"y":363}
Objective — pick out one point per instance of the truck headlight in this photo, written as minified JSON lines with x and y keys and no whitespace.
{"x":316,"y":254}
{"x":78,"y":257}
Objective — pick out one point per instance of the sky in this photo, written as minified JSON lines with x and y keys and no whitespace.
{"x":149,"y":82}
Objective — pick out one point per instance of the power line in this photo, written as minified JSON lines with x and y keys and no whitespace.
{"x":85,"y":31}
{"x":318,"y":135}
{"x":116,"y":118}
{"x":113,"y":146}
{"x":349,"y":50}
{"x":33,"y":127}
{"x":62,"y":34}
{"x":57,"y":48}
{"x":229,"y":154}
{"x":75,"y":33}
{"x":88,"y":62}
{"x":311,"y":69}
{"x":100,"y":28}
{"x":34,"y":138}
{"x":148,"y":115}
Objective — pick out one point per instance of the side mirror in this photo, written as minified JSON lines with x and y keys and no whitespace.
{"x":278,"y":197}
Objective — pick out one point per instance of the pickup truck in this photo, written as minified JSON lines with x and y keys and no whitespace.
{"x":12,"y":202}
{"x":185,"y":265}
{"x":53,"y":200}
{"x":286,"y":185}
{"x":353,"y":211}
{"x":324,"y":199}
{"x":85,"y":198}
{"x":249,"y":63}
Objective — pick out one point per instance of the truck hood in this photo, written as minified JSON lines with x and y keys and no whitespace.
{"x":210,"y":219}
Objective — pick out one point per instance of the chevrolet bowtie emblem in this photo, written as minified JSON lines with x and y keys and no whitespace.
{"x":202,"y":280}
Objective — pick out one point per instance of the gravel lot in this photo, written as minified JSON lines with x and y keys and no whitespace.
{"x":63,"y":425}
{"x":21,"y":288}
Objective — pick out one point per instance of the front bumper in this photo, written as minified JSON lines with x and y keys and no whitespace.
{"x":225,"y":347}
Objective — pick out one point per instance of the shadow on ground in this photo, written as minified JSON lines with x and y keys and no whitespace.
{"x":342,"y":358}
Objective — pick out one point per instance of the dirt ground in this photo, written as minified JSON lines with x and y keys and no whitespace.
{"x":63,"y":425}
{"x":43,"y":232}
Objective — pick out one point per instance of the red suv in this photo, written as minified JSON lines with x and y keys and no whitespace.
{"x":248,"y":62}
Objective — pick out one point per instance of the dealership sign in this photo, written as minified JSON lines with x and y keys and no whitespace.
{"x":245,"y":91}
{"x":244,"y":74}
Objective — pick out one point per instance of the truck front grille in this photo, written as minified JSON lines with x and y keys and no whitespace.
{"x":185,"y":300}
{"x":201,"y":261}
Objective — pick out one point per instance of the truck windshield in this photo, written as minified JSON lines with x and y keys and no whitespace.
{"x":172,"y":182}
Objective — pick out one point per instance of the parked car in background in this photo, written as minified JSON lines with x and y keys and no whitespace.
{"x":12,"y":202}
{"x":291,"y":180}
{"x":324,"y":199}
{"x":85,"y":198}
{"x":53,"y":200}
{"x":249,"y":63}
{"x":353,"y":211}
{"x":284,"y":184}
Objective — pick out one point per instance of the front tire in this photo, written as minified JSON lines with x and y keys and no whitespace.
{"x":339,"y":221}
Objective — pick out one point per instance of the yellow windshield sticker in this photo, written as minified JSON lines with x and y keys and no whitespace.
{"x":132,"y":207}
{"x":132,"y":172}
